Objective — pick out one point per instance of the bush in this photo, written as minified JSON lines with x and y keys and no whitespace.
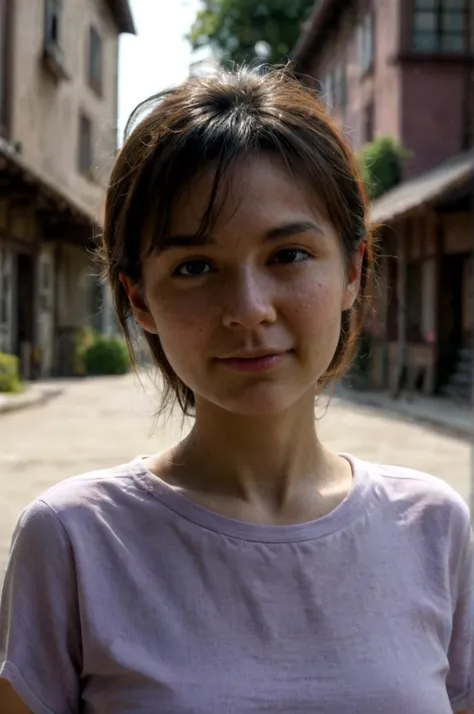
{"x":106,"y":355}
{"x":381,"y":163}
{"x":10,"y":380}
{"x":85,"y":338}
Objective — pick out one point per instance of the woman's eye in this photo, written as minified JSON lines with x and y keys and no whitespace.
{"x":291,"y":255}
{"x":192,"y":269}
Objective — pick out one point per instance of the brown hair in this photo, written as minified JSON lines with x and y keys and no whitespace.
{"x":222,"y":119}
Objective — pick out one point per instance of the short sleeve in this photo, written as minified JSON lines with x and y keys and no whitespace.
{"x":40,"y":647}
{"x":460,"y":680}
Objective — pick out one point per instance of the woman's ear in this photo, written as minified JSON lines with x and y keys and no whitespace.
{"x":140,"y":310}
{"x":354,"y":276}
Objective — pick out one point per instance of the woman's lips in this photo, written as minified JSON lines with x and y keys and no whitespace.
{"x":253,"y":364}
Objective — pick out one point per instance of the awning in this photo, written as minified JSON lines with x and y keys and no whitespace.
{"x":12,"y":162}
{"x":424,"y":189}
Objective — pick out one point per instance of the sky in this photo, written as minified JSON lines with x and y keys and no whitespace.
{"x":158,"y":56}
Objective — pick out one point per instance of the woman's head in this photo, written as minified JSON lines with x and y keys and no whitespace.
{"x":236,"y":227}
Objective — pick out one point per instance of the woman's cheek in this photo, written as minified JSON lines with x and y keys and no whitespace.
{"x":181,"y":314}
{"x":314,"y":302}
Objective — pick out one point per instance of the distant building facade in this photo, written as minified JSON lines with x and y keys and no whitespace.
{"x":405,"y":68}
{"x":398,"y":67}
{"x":58,"y":139}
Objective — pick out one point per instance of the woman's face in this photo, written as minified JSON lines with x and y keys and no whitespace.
{"x":249,"y":317}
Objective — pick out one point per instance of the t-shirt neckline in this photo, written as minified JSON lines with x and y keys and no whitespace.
{"x":204,"y":517}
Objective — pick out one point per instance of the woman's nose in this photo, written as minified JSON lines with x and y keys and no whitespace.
{"x":248,"y":301}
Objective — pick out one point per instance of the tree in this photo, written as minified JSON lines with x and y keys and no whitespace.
{"x":242,"y":30}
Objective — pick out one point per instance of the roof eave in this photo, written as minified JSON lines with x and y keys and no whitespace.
{"x":395,"y":206}
{"x":123,"y":16}
{"x":305,"y":46}
{"x":9,"y":155}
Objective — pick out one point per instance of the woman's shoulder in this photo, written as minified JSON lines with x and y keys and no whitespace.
{"x":73,"y":498}
{"x":417,"y":495}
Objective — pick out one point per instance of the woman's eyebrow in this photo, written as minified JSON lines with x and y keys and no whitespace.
{"x":192,"y":240}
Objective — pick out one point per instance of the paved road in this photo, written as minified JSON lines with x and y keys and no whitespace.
{"x":102,"y":422}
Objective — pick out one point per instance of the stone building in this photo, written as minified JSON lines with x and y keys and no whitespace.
{"x":58,"y":138}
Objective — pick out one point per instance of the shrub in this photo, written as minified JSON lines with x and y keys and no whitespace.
{"x":10,"y":380}
{"x":85,"y":338}
{"x":106,"y":355}
{"x":381,"y":164}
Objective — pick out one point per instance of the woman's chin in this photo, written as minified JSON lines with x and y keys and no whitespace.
{"x":265,"y":400}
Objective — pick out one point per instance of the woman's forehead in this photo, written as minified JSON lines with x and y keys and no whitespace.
{"x":262,"y":189}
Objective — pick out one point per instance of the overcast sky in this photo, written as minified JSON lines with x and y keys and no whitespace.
{"x":158,"y":56}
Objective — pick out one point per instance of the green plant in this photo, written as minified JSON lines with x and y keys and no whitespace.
{"x":381,"y":164}
{"x":85,"y":338}
{"x":106,"y":355}
{"x":10,"y":380}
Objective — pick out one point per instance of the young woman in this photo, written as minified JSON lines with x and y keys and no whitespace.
{"x":247,"y":569}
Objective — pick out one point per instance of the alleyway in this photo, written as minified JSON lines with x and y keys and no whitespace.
{"x":98,"y":423}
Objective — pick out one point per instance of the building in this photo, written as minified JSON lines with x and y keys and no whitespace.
{"x":405,"y":68}
{"x":58,"y":138}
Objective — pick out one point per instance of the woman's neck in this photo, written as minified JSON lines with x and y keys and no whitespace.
{"x":274,"y":464}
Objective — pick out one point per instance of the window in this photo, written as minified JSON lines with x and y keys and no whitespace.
{"x":6,"y":8}
{"x":329,"y":89}
{"x":95,"y":60}
{"x":365,"y":43}
{"x":414,"y":300}
{"x":368,"y":130}
{"x":52,"y":51}
{"x":52,"y":22}
{"x":340,"y":89}
{"x":85,"y":157}
{"x":6,"y":301}
{"x":440,"y":26}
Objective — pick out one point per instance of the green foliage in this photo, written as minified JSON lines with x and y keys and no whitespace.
{"x":106,"y":355}
{"x":85,"y":338}
{"x":381,"y":164}
{"x":10,"y":380}
{"x":234,"y":27}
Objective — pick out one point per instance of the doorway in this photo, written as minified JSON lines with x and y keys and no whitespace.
{"x":25,"y":313}
{"x":450,"y":316}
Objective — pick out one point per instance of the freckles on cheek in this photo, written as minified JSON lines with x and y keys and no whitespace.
{"x":316,"y":302}
{"x":176,"y":315}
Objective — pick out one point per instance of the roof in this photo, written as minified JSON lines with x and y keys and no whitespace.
{"x":123,"y":16}
{"x":313,"y":36}
{"x":425,"y":189}
{"x":51,"y":189}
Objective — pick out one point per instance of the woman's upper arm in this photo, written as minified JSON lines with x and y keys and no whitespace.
{"x":460,"y":678}
{"x":11,"y":703}
{"x":40,"y":640}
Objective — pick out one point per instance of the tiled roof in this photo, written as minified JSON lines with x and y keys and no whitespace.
{"x":424,"y":189}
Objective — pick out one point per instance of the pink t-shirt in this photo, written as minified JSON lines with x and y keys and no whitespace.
{"x":123,"y":596}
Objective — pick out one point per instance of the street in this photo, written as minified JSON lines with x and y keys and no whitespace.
{"x":101,"y":422}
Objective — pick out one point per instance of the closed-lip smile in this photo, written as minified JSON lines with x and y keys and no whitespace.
{"x":254,"y":360}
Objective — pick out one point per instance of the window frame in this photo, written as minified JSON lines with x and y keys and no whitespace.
{"x":366,"y":42}
{"x":95,"y":53}
{"x":438,"y":10}
{"x":52,"y":14}
{"x":369,"y":122}
{"x":53,"y":56}
{"x":85,"y":154}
